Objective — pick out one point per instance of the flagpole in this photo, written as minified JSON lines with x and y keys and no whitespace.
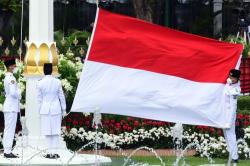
{"x":91,"y":40}
{"x":21,"y":32}
{"x":97,"y":3}
{"x":93,"y":32}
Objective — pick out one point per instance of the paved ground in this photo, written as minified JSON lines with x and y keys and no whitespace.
{"x":160,"y":152}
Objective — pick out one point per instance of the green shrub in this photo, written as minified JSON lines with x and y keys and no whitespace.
{"x":244,"y":104}
{"x":239,"y":40}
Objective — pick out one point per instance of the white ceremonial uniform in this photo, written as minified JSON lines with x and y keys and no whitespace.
{"x":52,"y":103}
{"x":232,"y":91}
{"x":11,"y":108}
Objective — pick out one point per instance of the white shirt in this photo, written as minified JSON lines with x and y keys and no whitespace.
{"x":50,"y":97}
{"x":12,"y":94}
{"x":232,"y":91}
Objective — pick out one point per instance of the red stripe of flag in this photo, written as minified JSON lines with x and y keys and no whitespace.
{"x":132,"y":43}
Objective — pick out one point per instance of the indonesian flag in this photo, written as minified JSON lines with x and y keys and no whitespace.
{"x":143,"y":70}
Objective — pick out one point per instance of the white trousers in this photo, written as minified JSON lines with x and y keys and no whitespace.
{"x":52,"y":141}
{"x":51,"y":124}
{"x":231,"y":141}
{"x":10,"y":119}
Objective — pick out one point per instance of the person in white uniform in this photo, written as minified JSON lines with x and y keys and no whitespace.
{"x":232,"y":91}
{"x":10,"y":108}
{"x":52,"y":107}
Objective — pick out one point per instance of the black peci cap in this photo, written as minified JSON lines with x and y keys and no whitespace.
{"x":234,"y":73}
{"x":47,"y":68}
{"x":9,"y":62}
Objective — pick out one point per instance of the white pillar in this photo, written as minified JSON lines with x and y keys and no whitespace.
{"x":41,"y":22}
{"x":40,"y":49}
{"x":31,"y":110}
{"x":40,"y":31}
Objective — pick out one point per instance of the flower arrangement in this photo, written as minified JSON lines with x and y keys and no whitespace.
{"x":156,"y":137}
{"x":70,"y":68}
{"x":129,"y":133}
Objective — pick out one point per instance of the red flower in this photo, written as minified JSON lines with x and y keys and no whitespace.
{"x":246,"y":123}
{"x":76,"y":115}
{"x":106,"y":122}
{"x":75,"y":122}
{"x":219,"y":132}
{"x":130,"y":119}
{"x":87,"y":118}
{"x":81,"y":122}
{"x":87,"y":123}
{"x":240,"y":116}
{"x":205,"y":128}
{"x":161,"y":124}
{"x":117,"y":125}
{"x":136,"y":123}
{"x":123,"y":121}
{"x":149,"y":122}
{"x":212,"y":130}
{"x":199,"y":127}
{"x":69,"y":120}
{"x":129,"y":128}
{"x":68,"y":127}
{"x":112,"y":121}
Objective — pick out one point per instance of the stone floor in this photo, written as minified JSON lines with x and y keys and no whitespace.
{"x":160,"y":152}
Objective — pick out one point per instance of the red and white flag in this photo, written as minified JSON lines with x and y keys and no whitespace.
{"x":143,"y":70}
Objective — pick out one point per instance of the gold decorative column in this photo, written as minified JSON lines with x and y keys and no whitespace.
{"x":37,"y":55}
